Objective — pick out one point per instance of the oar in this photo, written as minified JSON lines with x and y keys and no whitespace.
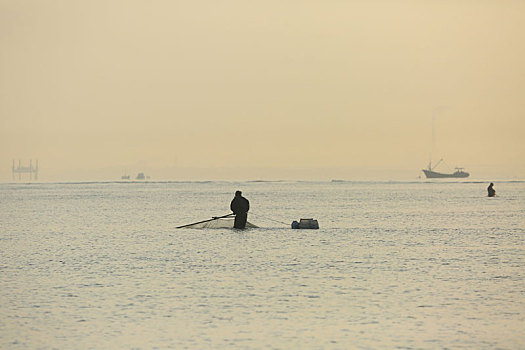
{"x":200,"y":222}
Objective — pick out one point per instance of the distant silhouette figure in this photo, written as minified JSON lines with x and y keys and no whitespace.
{"x":240,"y":207}
{"x":491,"y":190}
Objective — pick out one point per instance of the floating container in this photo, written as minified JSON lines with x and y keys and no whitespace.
{"x":305,"y":224}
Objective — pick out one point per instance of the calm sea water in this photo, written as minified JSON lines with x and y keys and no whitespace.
{"x":394,"y":265}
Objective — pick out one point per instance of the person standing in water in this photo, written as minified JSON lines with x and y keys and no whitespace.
{"x":491,"y":190}
{"x":240,"y":207}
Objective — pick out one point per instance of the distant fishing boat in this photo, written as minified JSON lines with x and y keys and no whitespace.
{"x":431,"y":174}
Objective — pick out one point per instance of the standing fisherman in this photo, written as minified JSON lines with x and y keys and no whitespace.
{"x":240,"y":207}
{"x":491,"y":190}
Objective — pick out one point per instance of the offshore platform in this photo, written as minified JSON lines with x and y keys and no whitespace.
{"x":25,"y":170}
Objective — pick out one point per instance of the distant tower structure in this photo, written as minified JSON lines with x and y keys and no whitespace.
{"x":25,"y":170}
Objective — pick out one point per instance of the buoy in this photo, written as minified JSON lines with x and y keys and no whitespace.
{"x":305,"y":224}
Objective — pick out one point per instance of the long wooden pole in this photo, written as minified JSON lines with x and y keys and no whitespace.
{"x":200,"y":222}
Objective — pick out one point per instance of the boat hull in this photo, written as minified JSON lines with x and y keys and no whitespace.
{"x":435,"y":175}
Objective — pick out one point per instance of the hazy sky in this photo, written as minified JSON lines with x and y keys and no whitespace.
{"x":261,"y":89}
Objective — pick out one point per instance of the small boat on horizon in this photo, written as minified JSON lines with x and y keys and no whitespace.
{"x":431,"y":174}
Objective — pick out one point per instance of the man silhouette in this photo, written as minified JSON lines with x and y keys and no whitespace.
{"x":240,"y":207}
{"x":491,"y":190}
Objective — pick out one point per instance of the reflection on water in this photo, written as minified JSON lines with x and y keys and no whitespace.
{"x":409,"y":265}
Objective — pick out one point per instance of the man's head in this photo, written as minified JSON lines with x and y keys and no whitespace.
{"x":238,"y":193}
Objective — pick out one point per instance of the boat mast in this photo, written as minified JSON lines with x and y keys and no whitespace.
{"x":433,"y":146}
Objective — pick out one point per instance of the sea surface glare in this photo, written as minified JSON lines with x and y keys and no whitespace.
{"x":414,"y":265}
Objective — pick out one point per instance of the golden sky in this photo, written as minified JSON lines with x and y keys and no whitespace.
{"x":187,"y":90}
